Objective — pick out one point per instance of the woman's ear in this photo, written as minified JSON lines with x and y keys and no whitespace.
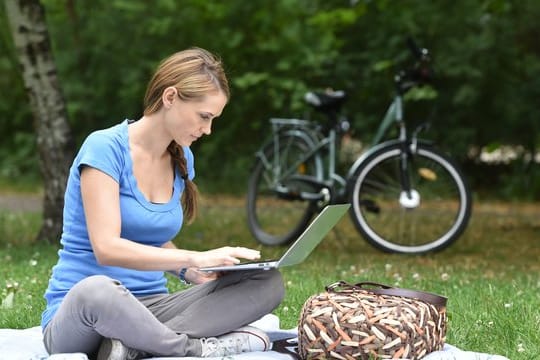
{"x":168,"y":97}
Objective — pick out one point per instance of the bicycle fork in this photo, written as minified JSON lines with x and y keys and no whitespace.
{"x":409,"y":198}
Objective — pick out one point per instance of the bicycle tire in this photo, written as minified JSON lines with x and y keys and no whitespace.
{"x":274,"y":218}
{"x":439,"y":218}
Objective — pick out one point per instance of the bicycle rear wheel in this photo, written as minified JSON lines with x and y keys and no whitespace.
{"x":276,"y":212}
{"x":430,"y":219}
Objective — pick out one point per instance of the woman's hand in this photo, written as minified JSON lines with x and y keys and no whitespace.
{"x":227,"y":255}
{"x":196,"y":277}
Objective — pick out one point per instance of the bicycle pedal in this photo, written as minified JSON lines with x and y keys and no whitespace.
{"x":288,"y":195}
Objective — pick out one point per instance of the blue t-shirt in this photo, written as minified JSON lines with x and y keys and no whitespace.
{"x":142,"y":221}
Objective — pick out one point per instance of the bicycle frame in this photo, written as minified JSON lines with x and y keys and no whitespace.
{"x":319,"y":143}
{"x":393,"y":114}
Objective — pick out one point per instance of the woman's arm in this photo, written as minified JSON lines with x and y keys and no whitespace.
{"x":101,"y":200}
{"x":192,"y":275}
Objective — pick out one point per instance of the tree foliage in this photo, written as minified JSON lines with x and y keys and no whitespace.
{"x":486,"y":58}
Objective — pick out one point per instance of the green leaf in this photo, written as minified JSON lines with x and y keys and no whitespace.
{"x":249,"y":79}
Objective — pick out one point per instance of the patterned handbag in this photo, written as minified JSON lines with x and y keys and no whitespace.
{"x":371,"y":321}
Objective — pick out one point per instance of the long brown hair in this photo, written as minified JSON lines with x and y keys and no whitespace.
{"x":194,"y":73}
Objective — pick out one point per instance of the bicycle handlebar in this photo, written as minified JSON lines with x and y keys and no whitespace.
{"x":418,"y":74}
{"x":421,"y":54}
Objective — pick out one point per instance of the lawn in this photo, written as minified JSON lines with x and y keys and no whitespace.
{"x":491,"y":275}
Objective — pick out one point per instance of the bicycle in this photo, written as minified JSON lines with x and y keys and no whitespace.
{"x":407,"y":196}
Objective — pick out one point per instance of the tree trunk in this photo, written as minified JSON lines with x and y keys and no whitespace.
{"x":54,"y":140}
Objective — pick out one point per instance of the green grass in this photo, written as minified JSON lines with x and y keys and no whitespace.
{"x":23,"y":185}
{"x":491,"y":275}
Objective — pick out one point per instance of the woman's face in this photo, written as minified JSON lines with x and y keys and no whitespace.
{"x":187,"y":121}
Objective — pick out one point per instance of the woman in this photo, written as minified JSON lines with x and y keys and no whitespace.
{"x":128,"y":191}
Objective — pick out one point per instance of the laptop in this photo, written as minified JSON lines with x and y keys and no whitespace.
{"x":301,"y":248}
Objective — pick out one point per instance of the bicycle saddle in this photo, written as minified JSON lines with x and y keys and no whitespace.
{"x":328,"y":100}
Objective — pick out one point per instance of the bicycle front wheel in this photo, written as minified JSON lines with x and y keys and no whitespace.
{"x":276,"y":213}
{"x":428,"y":218}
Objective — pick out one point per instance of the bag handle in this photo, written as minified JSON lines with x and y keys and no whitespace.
{"x":381,"y":289}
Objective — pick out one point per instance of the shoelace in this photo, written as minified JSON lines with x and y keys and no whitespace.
{"x":215,"y":346}
{"x":210,"y":347}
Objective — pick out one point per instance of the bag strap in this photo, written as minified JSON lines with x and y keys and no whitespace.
{"x":381,"y":289}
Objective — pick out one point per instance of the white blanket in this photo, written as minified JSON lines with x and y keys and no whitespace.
{"x":27,"y":344}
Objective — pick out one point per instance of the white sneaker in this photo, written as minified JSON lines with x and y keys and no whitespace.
{"x":113,"y":349}
{"x":245,"y":339}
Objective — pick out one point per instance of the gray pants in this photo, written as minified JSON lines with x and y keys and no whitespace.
{"x":163,"y":324}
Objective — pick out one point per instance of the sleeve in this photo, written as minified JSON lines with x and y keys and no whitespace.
{"x":102,"y":152}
